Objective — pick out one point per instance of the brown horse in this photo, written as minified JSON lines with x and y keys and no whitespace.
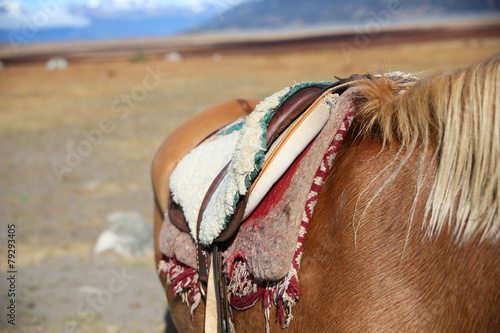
{"x":405,"y":234}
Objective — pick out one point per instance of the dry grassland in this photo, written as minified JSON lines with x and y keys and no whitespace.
{"x":60,"y":212}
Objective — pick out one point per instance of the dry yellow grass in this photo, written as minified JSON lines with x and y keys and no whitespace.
{"x":85,"y":91}
{"x":44,"y":114}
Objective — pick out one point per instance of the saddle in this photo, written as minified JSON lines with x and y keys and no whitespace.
{"x":288,"y":112}
{"x":297,"y":120}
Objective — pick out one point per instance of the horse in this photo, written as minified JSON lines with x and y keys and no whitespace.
{"x":405,"y":233}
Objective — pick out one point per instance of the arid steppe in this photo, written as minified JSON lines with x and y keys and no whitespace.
{"x":76,"y":145}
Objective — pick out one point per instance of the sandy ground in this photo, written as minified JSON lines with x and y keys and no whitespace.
{"x":76,"y":145}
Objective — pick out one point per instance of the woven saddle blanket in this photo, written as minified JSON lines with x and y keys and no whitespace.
{"x":263,"y":260}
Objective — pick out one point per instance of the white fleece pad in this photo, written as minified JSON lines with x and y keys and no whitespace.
{"x":195,"y":173}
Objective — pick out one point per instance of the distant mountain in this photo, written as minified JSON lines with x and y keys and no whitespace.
{"x":272,"y":14}
{"x":22,"y":23}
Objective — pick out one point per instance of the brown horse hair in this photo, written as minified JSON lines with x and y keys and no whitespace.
{"x":458,"y":113}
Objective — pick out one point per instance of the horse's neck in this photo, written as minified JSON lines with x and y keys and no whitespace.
{"x":383,"y":271}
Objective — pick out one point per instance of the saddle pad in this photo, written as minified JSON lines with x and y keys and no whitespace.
{"x":246,"y":150}
{"x":263,"y":261}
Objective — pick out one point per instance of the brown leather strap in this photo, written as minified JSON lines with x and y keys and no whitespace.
{"x":290,"y":106}
{"x":225,"y":299}
{"x":217,"y":272}
{"x":201,"y":251}
{"x":176,"y":215}
{"x":234,"y":223}
{"x":275,"y":132}
{"x":217,"y":291}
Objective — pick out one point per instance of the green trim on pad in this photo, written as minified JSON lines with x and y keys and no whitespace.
{"x":232,"y":128}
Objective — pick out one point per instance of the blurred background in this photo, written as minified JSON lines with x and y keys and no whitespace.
{"x":90,"y":88}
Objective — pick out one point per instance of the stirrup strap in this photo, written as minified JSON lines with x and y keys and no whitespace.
{"x":211,"y":308}
{"x":216,"y":303}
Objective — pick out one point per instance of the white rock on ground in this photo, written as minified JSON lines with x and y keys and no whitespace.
{"x":128,"y":234}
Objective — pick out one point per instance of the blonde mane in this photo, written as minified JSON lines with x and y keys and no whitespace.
{"x":457,"y":114}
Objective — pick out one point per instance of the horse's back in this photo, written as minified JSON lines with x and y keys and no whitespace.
{"x":364,"y":270}
{"x":364,"y":267}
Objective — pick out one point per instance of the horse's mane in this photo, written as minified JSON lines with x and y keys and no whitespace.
{"x":457,"y":114}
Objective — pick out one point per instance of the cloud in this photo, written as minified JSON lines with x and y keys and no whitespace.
{"x":11,"y":8}
{"x":93,"y":3}
{"x":127,"y":4}
{"x":194,"y":5}
{"x":46,"y":15}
